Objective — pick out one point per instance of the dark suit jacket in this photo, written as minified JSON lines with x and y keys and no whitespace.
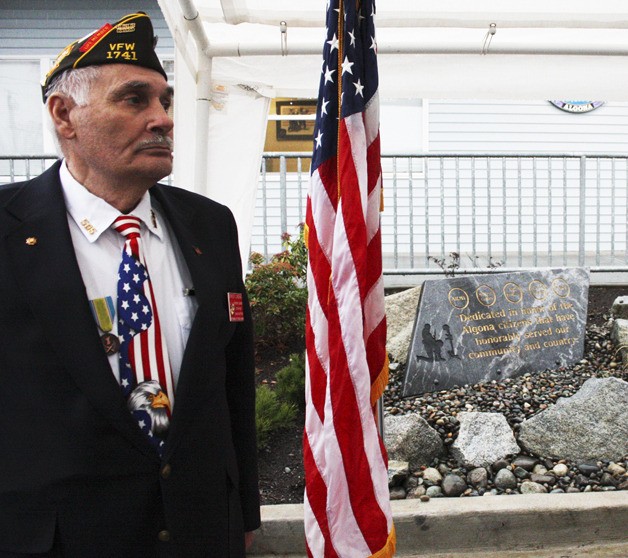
{"x":74,"y":467}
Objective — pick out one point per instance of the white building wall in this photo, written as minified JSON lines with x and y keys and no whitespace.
{"x":525,"y":126}
{"x":37,"y":27}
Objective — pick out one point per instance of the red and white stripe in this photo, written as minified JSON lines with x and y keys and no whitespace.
{"x":347,"y":507}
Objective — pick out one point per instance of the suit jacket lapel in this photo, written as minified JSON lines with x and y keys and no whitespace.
{"x":205,"y":266}
{"x":48,"y":272}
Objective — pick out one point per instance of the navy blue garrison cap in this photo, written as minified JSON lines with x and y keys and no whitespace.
{"x":129,"y":41}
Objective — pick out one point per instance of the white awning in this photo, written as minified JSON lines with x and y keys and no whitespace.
{"x":233,"y":55}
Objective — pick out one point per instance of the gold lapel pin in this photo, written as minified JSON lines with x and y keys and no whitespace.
{"x":31,"y":241}
{"x":88,"y":226}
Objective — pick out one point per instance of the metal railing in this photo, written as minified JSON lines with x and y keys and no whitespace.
{"x":505,"y":211}
{"x":515,"y":211}
{"x":16,"y":169}
{"x":25,"y":167}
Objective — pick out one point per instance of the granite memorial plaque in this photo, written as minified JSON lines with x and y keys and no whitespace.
{"x":480,"y":328}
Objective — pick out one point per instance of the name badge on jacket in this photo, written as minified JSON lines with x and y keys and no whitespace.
{"x":236,"y":309}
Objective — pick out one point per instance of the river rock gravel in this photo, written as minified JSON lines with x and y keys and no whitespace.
{"x":517,"y":399}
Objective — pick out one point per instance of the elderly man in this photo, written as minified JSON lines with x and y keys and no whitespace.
{"x":127,"y":425}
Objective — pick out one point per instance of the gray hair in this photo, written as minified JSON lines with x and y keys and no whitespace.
{"x":75,"y":84}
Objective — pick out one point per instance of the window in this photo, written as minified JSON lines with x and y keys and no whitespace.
{"x":20,"y":108}
{"x":401,"y":126}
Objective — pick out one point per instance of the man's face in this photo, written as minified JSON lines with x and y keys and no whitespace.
{"x":124,"y":130}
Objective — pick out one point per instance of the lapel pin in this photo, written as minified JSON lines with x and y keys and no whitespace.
{"x":31,"y":241}
{"x":88,"y":226}
{"x":197,"y":250}
{"x":153,"y":219}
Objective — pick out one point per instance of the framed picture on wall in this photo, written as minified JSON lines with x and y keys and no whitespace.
{"x":291,"y":130}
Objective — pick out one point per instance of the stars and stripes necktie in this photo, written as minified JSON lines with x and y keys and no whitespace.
{"x":145,"y":374}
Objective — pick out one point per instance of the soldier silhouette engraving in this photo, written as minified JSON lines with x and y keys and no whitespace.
{"x":431,"y":345}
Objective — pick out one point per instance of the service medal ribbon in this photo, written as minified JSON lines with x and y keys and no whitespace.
{"x":104,"y":312}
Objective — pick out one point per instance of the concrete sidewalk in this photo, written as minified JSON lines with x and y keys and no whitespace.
{"x":585,"y":551}
{"x":521,"y":526}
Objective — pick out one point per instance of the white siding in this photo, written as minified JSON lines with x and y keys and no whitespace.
{"x":37,"y":27}
{"x":525,"y":126}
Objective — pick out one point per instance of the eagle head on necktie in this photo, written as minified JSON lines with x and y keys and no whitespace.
{"x":151,"y":398}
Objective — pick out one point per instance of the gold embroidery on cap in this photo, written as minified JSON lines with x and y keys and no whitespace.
{"x":125,"y":51}
{"x":125,"y":28}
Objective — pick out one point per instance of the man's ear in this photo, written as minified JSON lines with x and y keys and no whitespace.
{"x":59,"y":108}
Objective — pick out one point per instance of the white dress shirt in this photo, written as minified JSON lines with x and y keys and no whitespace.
{"x":98,"y":250}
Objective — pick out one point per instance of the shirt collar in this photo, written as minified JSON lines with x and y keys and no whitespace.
{"x":93,"y":215}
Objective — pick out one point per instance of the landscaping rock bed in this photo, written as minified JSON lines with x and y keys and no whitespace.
{"x":281,"y":465}
{"x":591,"y":466}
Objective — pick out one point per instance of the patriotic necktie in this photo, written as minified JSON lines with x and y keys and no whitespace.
{"x":145,"y":374}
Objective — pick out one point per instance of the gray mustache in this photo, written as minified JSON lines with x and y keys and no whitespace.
{"x":156,"y":141}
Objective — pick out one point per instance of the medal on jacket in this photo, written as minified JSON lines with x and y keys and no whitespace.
{"x":104,"y":311}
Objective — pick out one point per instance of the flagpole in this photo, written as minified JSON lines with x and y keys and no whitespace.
{"x":380,"y":417}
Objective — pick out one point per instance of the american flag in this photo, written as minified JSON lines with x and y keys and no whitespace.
{"x":347,"y":506}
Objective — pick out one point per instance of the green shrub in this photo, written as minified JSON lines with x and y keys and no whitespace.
{"x":291,"y":381}
{"x":270,"y":413}
{"x":278,"y":295}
